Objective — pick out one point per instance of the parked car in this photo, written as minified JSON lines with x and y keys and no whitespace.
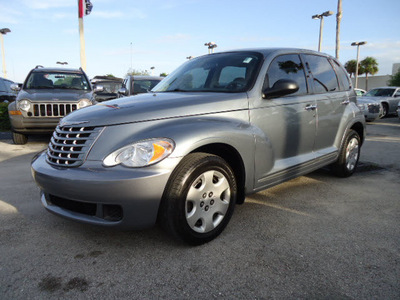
{"x":6,"y":93}
{"x":137,"y":84}
{"x":220,"y":127}
{"x":371,"y":109}
{"x":398,"y":110}
{"x":47,"y":95}
{"x":387,"y":96}
{"x":106,"y":87}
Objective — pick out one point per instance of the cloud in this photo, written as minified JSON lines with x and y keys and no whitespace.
{"x":9,"y":16}
{"x":47,"y":4}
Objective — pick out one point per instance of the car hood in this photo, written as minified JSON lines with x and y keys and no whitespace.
{"x":54,"y":95}
{"x":147,"y":107}
{"x":377,"y":99}
{"x":367,"y":100}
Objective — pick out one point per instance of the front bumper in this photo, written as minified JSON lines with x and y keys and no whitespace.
{"x":33,"y":125}
{"x":119,"y":197}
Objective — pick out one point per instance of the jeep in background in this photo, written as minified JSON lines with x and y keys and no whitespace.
{"x":47,"y":95}
{"x":220,"y":127}
{"x":138,"y":84}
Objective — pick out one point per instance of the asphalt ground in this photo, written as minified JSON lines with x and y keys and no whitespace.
{"x":314,"y":237}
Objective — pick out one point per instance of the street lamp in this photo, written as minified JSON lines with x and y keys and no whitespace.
{"x":62,"y":63}
{"x":211,"y":46}
{"x":3,"y":31}
{"x":321,"y":24}
{"x":358,"y":44}
{"x":189,"y":57}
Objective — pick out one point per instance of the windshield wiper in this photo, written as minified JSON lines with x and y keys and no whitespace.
{"x":177,"y":90}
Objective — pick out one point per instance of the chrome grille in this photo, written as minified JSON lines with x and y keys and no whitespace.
{"x":70,"y":145}
{"x":373,"y":108}
{"x":52,"y":109}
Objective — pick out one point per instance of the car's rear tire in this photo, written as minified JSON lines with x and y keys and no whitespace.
{"x":19,"y":138}
{"x":199,"y":199}
{"x":349,"y":155}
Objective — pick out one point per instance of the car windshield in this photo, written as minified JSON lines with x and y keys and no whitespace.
{"x":222,"y":72}
{"x":380,"y":92}
{"x":143,"y":85}
{"x":57,"y":80}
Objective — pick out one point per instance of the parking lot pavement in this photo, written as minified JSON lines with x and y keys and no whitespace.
{"x":315,"y":237}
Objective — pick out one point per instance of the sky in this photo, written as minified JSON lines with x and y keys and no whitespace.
{"x":121,"y":35}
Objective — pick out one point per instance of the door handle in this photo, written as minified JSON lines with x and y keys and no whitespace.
{"x":311,"y":107}
{"x":345,"y":102}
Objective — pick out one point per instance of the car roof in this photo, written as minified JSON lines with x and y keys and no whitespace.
{"x":144,"y":77}
{"x":61,"y":70}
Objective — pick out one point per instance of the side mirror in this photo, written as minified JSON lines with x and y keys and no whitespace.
{"x":281,"y":88}
{"x":123,"y":92}
{"x":98,"y":89}
{"x":15,"y":87}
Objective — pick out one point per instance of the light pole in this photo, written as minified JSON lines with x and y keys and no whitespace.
{"x":358,"y":44}
{"x":211,"y":46}
{"x":321,"y":25}
{"x":3,"y":31}
{"x":61,"y":63}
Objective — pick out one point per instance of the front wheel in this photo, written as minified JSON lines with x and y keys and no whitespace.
{"x":199,"y":199}
{"x":349,"y":155}
{"x":19,"y":138}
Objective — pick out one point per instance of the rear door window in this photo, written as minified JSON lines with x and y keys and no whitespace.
{"x":324,"y":77}
{"x":344,"y":81}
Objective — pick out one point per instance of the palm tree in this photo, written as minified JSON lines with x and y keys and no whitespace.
{"x":338,"y":20}
{"x":350,"y":67}
{"x":369,"y":65}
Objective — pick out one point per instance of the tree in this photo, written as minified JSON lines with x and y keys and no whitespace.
{"x":369,"y":65}
{"x":163,"y":74}
{"x":395,"y":79}
{"x":350,"y":67}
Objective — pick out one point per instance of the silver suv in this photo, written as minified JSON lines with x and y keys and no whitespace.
{"x":220,"y":127}
{"x":47,"y":95}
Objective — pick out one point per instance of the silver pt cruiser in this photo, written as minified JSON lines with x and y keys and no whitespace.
{"x":220,"y":127}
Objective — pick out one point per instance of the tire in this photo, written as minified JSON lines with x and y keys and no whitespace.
{"x":199,"y":198}
{"x":19,"y":138}
{"x":349,"y":155}
{"x":385,"y":111}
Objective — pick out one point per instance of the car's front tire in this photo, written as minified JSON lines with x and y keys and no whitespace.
{"x":349,"y":155}
{"x":19,"y":138}
{"x":199,"y":199}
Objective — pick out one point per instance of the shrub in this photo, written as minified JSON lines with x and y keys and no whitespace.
{"x":4,"y":119}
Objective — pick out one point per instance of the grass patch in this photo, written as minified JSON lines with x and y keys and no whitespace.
{"x":4,"y":119}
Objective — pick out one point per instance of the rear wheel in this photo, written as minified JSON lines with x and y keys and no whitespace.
{"x":349,"y":154}
{"x":199,"y":199}
{"x":19,"y":138}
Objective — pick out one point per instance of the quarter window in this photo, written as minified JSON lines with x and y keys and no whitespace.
{"x":324,"y":77}
{"x":343,"y":78}
{"x":288,"y":67}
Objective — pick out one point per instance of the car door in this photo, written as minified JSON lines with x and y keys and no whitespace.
{"x":331,"y":102}
{"x":288,"y":124}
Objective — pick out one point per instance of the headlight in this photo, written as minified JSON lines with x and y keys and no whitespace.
{"x":24,"y":105}
{"x":141,"y":154}
{"x":361,"y":106}
{"x":84,"y":102}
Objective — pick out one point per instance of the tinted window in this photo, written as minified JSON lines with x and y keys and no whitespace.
{"x":385,"y":92}
{"x":288,"y":67}
{"x":343,"y":78}
{"x":53,"y":80}
{"x":323,"y":74}
{"x":2,"y":86}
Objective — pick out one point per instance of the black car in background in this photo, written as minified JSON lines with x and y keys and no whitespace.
{"x":106,"y":87}
{"x":6,"y":93}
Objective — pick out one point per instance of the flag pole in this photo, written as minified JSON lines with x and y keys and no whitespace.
{"x":81,"y":12}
